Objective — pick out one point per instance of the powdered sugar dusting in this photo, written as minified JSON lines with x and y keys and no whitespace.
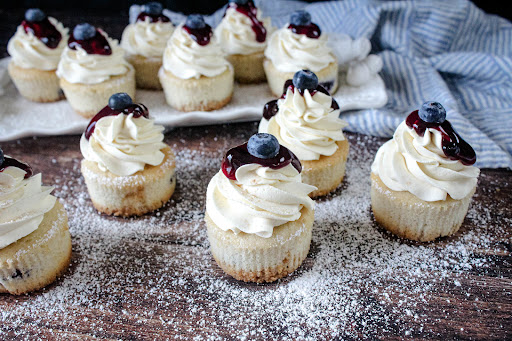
{"x":153,"y":276}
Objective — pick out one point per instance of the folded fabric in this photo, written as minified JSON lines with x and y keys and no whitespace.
{"x":446,"y":51}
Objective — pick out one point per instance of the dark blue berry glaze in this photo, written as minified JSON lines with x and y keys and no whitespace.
{"x":10,"y":162}
{"x":44,"y":31}
{"x":137,"y":110}
{"x":311,"y":31}
{"x":200,"y":35}
{"x":249,"y":10}
{"x":153,"y":18}
{"x":95,"y":45}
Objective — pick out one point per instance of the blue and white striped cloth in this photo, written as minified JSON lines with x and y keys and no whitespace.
{"x":446,"y":51}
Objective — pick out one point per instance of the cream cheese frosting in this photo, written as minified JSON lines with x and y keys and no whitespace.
{"x":260,"y":199}
{"x":28,"y":52}
{"x":290,"y":51}
{"x":305,"y":124}
{"x":186,"y":59}
{"x":236,"y":35}
{"x":23,"y":203}
{"x":147,"y":38}
{"x":417,"y":164}
{"x":123,"y":145}
{"x":77,"y":66}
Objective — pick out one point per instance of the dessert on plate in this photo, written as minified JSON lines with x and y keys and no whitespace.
{"x":305,"y":119}
{"x":299,"y":45}
{"x":144,"y":42}
{"x":259,"y":216}
{"x":35,"y":244}
{"x":242,"y":34}
{"x":92,"y":68}
{"x":195,"y":74}
{"x":35,"y":50}
{"x":127,"y":168}
{"x":423,"y":179}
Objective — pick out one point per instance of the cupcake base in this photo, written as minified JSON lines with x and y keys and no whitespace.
{"x":36,"y":260}
{"x":248,"y":68}
{"x":327,"y":77}
{"x":250,"y":258}
{"x":88,"y":99}
{"x":203,"y":94}
{"x":146,"y":71}
{"x":36,"y":85}
{"x":327,"y":172}
{"x":407,"y":216}
{"x":132,"y":195}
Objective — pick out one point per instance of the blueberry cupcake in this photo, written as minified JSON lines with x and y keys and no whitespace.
{"x":195,"y":74}
{"x":127,"y":167}
{"x":35,"y":51}
{"x":144,"y":42}
{"x":259,"y":216}
{"x":306,"y":120}
{"x":299,"y":45}
{"x":423,"y":179}
{"x":92,"y":68}
{"x":242,"y":34}
{"x":35,"y":244}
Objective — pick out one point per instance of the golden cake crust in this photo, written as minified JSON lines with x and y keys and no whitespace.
{"x":36,"y":85}
{"x":248,"y":67}
{"x":146,"y":71}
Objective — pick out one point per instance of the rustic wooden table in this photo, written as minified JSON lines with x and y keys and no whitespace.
{"x":153,"y":277}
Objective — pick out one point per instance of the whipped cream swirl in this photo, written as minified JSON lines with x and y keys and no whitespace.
{"x":417,"y":164}
{"x":290,"y":51}
{"x":77,"y":66}
{"x":305,"y":124}
{"x":260,"y":199}
{"x":236,"y":35}
{"x":147,"y":38}
{"x":186,"y":59}
{"x":123,"y":144}
{"x":28,"y":52}
{"x":23,"y":203}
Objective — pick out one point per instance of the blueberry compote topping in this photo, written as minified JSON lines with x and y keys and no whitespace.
{"x":153,"y":11}
{"x":90,"y":39}
{"x":247,"y":8}
{"x":6,"y":161}
{"x":300,"y":23}
{"x":37,"y":23}
{"x":198,"y":29}
{"x":454,"y":147}
{"x":118,"y":104}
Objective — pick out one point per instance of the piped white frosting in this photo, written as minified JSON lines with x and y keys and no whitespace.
{"x":146,"y":38}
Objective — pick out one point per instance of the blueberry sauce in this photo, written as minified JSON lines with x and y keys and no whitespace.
{"x":239,"y":156}
{"x":96,"y":45}
{"x":44,"y":31}
{"x":454,"y":147}
{"x":200,"y":35}
{"x":137,"y":110}
{"x":250,"y":11}
{"x":310,"y":31}
{"x":270,"y":109}
{"x":153,"y":18}
{"x":10,"y":162}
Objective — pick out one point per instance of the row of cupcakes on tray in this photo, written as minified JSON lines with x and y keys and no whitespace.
{"x":195,"y":65}
{"x":259,"y":207}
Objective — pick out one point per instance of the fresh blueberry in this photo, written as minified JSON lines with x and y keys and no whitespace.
{"x":300,"y":18}
{"x":432,"y":112}
{"x":2,"y":158}
{"x":240,"y":2}
{"x":84,"y":31}
{"x":34,"y":15}
{"x":119,"y":101}
{"x":305,"y":79}
{"x":195,"y":21}
{"x":263,"y":146}
{"x":153,"y":8}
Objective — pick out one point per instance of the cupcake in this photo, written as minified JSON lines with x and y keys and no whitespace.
{"x":423,"y":179}
{"x":299,"y":45}
{"x":127,"y":168}
{"x":144,"y":42}
{"x":35,"y":49}
{"x":306,"y":120}
{"x":259,"y":216}
{"x":35,"y":244}
{"x":195,"y":74}
{"x":242,"y":33}
{"x":92,"y":68}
